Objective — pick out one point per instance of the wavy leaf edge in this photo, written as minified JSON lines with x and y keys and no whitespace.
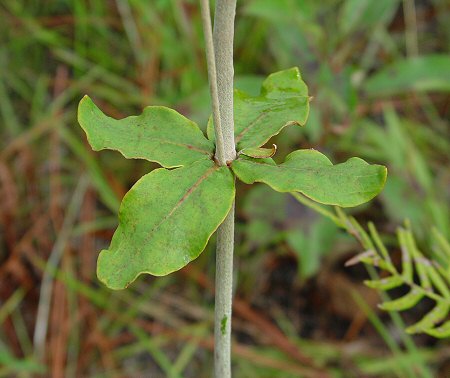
{"x":87,"y":101}
{"x":104,"y":252}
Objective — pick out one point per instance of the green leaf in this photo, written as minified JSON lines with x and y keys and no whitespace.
{"x":425,"y":73}
{"x":387,"y":283}
{"x":165,"y":221}
{"x":283,"y":101}
{"x":311,"y":173}
{"x":403,"y":303}
{"x":436,"y":315}
{"x":441,"y":332}
{"x":159,"y":134}
{"x":258,"y":152}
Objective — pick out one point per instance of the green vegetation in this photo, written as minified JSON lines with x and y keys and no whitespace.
{"x":168,"y":216}
{"x":311,"y":173}
{"x":433,"y":283}
{"x":291,"y":287}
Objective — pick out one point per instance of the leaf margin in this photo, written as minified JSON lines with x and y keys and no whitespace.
{"x":87,"y":104}
{"x":289,"y":157}
{"x":107,"y":282}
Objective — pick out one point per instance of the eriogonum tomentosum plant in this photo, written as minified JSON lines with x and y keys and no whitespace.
{"x":168,"y":216}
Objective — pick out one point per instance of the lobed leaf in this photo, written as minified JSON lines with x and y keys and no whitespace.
{"x":159,"y":134}
{"x":436,"y":315}
{"x":387,"y":283}
{"x":403,"y":303}
{"x":283,"y":101}
{"x":165,"y":221}
{"x":311,"y":173}
{"x":432,"y":279}
{"x":441,"y":332}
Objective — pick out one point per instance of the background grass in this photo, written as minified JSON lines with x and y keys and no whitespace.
{"x":379,"y":71}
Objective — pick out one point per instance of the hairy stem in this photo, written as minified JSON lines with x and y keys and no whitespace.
{"x":224,"y":300}
{"x":223,"y":49}
{"x":219,"y":52}
{"x":212,"y":78}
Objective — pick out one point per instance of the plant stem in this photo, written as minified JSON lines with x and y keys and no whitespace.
{"x":223,"y":49}
{"x":219,"y":51}
{"x":212,"y":78}
{"x":224,"y":297}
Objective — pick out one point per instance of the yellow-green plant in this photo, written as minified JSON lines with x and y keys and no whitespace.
{"x":432,"y":270}
{"x":433,"y":275}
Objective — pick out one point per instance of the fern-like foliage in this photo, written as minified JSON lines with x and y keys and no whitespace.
{"x":427,"y":276}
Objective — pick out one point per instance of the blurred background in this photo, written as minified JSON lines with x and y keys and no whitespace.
{"x":379,"y":72}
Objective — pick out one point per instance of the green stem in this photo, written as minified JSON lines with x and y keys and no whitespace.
{"x":219,"y":52}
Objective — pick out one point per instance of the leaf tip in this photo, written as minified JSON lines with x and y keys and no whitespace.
{"x":84,"y":104}
{"x":105,"y":269}
{"x":83,"y":100}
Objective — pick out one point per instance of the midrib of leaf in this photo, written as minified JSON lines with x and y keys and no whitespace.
{"x":188,"y":146}
{"x":257,"y":119}
{"x":178,"y":204}
{"x":253,"y":123}
{"x":161,"y":141}
{"x":291,"y":168}
{"x":94,"y":115}
{"x":182,"y":200}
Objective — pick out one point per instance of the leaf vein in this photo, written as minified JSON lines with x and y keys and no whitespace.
{"x":182,"y":200}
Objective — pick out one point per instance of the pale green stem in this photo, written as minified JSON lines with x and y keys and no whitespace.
{"x":212,"y":78}
{"x":224,"y":297}
{"x":219,"y":51}
{"x":223,"y":49}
